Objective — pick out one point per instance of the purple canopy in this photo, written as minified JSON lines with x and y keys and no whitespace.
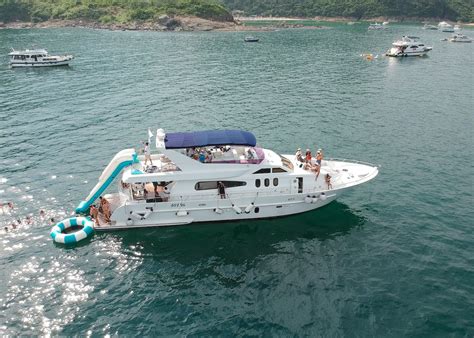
{"x":209,"y":138}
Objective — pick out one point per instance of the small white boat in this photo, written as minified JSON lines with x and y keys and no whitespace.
{"x":457,"y":28}
{"x":251,"y":39}
{"x":408,"y":46}
{"x":37,"y":58}
{"x":216,"y":175}
{"x":430,"y":27}
{"x":458,"y":37}
{"x":376,"y":26}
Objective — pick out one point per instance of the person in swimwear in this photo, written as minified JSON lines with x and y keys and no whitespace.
{"x":105,"y":206}
{"x":328,"y":181}
{"x":94,"y":213}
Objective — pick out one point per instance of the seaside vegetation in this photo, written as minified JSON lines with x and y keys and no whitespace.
{"x":462,"y":10}
{"x":109,"y":11}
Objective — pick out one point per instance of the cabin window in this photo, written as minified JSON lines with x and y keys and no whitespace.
{"x":257,"y":183}
{"x":275,"y":182}
{"x":278,"y":170}
{"x":421,"y":45}
{"x":414,"y":47}
{"x":209,"y":185}
{"x":267,"y":182}
{"x":263,"y":171}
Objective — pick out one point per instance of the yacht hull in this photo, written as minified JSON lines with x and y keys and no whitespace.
{"x":39,"y":64}
{"x":218,"y":211}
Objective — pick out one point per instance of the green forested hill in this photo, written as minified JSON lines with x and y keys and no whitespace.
{"x":109,"y":10}
{"x":448,"y":9}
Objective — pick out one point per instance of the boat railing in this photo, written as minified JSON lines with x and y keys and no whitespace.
{"x":352,"y":161}
{"x":231,"y":196}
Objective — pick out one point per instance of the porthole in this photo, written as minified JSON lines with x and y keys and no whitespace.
{"x":275,"y":182}
{"x":257,"y":210}
{"x":257,"y":183}
{"x":267,"y":182}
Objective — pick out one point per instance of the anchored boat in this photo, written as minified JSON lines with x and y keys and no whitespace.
{"x":377,"y":26}
{"x":408,"y":46}
{"x":37,"y":58}
{"x":458,"y":37}
{"x":216,"y":175}
{"x":251,"y":39}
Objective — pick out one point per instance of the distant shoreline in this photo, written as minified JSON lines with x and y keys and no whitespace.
{"x":195,"y":24}
{"x":347,"y":19}
{"x":174,"y":24}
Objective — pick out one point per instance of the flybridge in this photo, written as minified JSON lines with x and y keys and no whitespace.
{"x":209,"y":138}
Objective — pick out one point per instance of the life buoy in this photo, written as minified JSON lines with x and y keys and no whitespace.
{"x":58,"y":235}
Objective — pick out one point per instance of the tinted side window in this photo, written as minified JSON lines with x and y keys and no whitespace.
{"x":278,"y":170}
{"x":263,"y":171}
{"x":208,"y":185}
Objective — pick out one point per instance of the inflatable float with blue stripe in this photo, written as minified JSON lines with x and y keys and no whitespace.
{"x":65,"y":231}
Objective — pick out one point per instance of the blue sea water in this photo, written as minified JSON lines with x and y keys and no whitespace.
{"x":391,"y":258}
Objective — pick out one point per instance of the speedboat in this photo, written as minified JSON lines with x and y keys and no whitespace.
{"x":458,"y":37}
{"x":216,"y":175}
{"x":430,"y":27}
{"x":251,"y":39}
{"x":37,"y":58}
{"x":408,"y":46}
{"x":375,"y":26}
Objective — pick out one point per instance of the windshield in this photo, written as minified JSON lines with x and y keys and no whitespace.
{"x":286,"y":163}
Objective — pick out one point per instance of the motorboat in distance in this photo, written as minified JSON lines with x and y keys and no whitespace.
{"x":376,"y":26}
{"x":251,"y":39}
{"x":430,"y":27}
{"x":408,"y":46}
{"x":445,"y":27}
{"x":458,"y":37}
{"x":216,"y":175}
{"x":37,"y":58}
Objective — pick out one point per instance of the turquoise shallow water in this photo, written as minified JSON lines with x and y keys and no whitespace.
{"x":391,"y":258}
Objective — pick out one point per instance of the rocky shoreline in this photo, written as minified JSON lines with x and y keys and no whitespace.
{"x":164,"y":23}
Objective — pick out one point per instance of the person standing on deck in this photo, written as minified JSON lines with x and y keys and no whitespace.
{"x":105,"y":206}
{"x":94,"y":213}
{"x":147,"y":152}
{"x":319,"y":161}
{"x":221,"y":189}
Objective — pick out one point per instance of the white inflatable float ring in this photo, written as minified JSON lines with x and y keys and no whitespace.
{"x":58,"y":231}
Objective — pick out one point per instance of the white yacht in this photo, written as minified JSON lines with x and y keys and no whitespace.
{"x":445,"y":27}
{"x":376,"y":26}
{"x":37,"y":58}
{"x":217,"y":175}
{"x":458,"y":37}
{"x":408,"y":46}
